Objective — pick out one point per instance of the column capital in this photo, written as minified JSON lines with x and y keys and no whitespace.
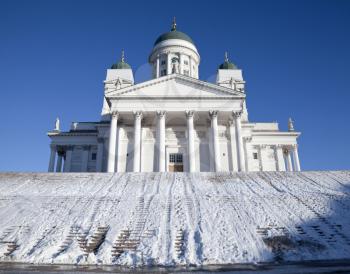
{"x":86,"y":147}
{"x":161,"y":113}
{"x":237,"y":114}
{"x":295,"y":146}
{"x":68,"y":147}
{"x":248,"y":139}
{"x":279,"y":146}
{"x":231,"y":122}
{"x":115,"y":114}
{"x":285,"y":150}
{"x":53,"y":146}
{"x":61,"y":153}
{"x":138,"y":114}
{"x":189,"y":113}
{"x":213,"y":113}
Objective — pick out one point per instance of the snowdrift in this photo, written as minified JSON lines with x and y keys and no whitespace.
{"x":174,"y":218}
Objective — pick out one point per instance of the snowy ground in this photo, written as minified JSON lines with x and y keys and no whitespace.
{"x":174,"y":218}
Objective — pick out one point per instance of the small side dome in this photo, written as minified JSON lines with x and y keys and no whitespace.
{"x":121,"y":64}
{"x":227,"y":64}
{"x":173,"y":34}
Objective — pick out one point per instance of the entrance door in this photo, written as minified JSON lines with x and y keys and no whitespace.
{"x":176,"y":162}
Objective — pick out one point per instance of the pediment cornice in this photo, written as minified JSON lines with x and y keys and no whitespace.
{"x":189,"y":81}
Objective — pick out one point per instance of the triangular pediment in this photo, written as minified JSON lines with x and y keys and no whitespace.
{"x":175,"y":85}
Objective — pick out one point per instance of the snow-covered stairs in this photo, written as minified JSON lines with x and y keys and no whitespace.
{"x":174,"y":218}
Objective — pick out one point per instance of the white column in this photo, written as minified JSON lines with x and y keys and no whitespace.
{"x":190,"y":63}
{"x":279,"y":158}
{"x":112,"y":142}
{"x":85,"y":158}
{"x":119,"y":132}
{"x":59,"y":161}
{"x":157,"y":67}
{"x":68,"y":160}
{"x":190,"y":132}
{"x":181,"y":60}
{"x":161,"y":140}
{"x":261,"y":157}
{"x":169,"y":64}
{"x":137,"y":140}
{"x":296,"y":158}
{"x":99,"y":156}
{"x":52,"y":158}
{"x":288,"y":159}
{"x":240,"y":149}
{"x":214,"y":130}
{"x":234,"y":166}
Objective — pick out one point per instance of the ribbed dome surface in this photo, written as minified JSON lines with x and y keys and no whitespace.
{"x":174,"y":34}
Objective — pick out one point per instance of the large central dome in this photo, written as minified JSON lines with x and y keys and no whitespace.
{"x":173,"y":34}
{"x":174,"y":52}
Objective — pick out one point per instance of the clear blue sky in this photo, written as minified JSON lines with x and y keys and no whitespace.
{"x":295,"y":57}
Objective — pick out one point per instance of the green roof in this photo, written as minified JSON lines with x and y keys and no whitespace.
{"x":121,"y":65}
{"x":227,"y":65}
{"x":174,"y":34}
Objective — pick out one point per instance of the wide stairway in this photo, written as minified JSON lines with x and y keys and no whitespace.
{"x":174,"y":218}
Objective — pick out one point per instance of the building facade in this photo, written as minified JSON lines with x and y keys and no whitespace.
{"x":174,"y":122}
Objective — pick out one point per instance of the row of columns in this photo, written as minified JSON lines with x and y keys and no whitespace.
{"x":169,"y":64}
{"x":64,"y":157}
{"x":161,"y":115}
{"x":288,"y":153}
{"x":283,"y":157}
{"x":64,"y":153}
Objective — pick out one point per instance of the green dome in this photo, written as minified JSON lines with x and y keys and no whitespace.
{"x":227,"y":64}
{"x":173,"y":34}
{"x":121,"y":65}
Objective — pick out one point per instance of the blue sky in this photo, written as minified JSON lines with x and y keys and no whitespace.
{"x":294,"y":54}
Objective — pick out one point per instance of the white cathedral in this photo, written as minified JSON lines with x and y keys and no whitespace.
{"x":173,"y":122}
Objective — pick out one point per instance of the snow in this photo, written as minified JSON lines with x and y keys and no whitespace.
{"x":174,"y":218}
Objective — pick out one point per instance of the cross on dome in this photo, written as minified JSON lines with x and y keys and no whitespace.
{"x":226,"y":57}
{"x":173,"y":26}
{"x":122,"y":57}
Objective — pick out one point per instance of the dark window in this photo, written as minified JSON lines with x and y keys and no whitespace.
{"x":255,"y":155}
{"x":186,"y":62}
{"x":93,"y":156}
{"x":163,"y":62}
{"x":163,"y":72}
{"x":186,"y":72}
{"x":175,"y":158}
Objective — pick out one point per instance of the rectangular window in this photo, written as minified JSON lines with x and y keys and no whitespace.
{"x":175,"y":158}
{"x":93,"y":156}
{"x":178,"y":158}
{"x":172,"y":158}
{"x":163,"y":72}
{"x":186,"y":72}
{"x":163,"y":62}
{"x":186,"y":62}
{"x":255,"y":155}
